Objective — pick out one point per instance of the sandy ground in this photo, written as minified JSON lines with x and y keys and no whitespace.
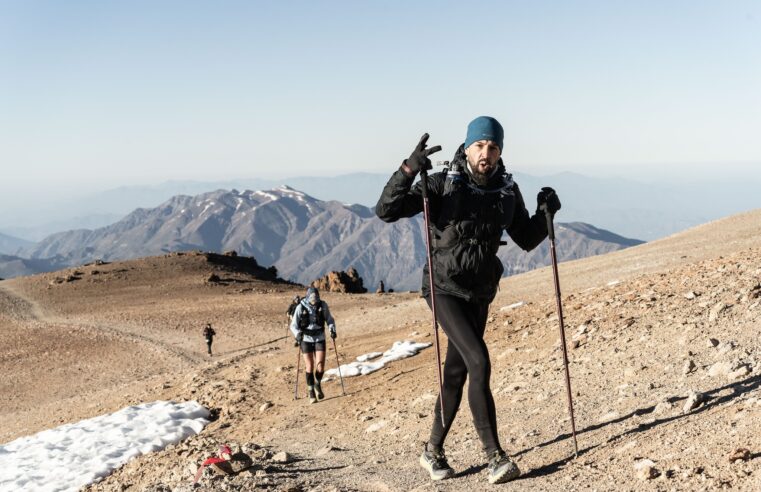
{"x":646,"y":327}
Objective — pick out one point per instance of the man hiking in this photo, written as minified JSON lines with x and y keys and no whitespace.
{"x":308,"y":326}
{"x":208,"y":334}
{"x":470,"y":206}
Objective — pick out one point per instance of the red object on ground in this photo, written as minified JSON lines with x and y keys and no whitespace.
{"x":223,"y":450}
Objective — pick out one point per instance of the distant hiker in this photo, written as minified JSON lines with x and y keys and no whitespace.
{"x":308,"y":326}
{"x":289,"y":316}
{"x":292,"y":307}
{"x":208,"y":334}
{"x":471,"y":204}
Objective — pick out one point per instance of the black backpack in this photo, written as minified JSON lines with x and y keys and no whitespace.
{"x":304,"y":317}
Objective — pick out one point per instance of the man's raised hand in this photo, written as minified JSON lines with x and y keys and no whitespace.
{"x":419,"y":160}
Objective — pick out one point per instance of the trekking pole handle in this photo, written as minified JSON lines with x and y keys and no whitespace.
{"x":550,"y":225}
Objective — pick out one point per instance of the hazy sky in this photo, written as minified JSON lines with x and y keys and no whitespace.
{"x":98,"y":94}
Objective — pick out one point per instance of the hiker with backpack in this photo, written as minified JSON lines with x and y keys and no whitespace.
{"x":292,"y":307}
{"x":469,"y":206}
{"x":308,"y":327}
{"x":208,"y":334}
{"x":289,"y":315}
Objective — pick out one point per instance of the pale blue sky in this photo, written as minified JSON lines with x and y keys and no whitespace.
{"x":109,"y":93}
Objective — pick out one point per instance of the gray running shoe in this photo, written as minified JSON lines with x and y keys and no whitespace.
{"x":318,"y":391}
{"x":312,"y":396}
{"x":435,"y":462}
{"x":501,"y":468}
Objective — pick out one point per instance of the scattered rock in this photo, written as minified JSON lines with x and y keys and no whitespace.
{"x":512,"y":306}
{"x":716,"y":311}
{"x":646,"y":469}
{"x":690,"y":295}
{"x":712,"y":342}
{"x":282,"y":457}
{"x":739,"y":454}
{"x":325,"y":450}
{"x":741,"y":371}
{"x":720,"y":369}
{"x":264,"y":406}
{"x":689,"y":366}
{"x":377,"y":426}
{"x":213,"y":278}
{"x":694,"y":400}
{"x":663,"y":407}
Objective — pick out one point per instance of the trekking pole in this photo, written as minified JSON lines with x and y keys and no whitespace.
{"x":287,"y":327}
{"x":343,"y":390}
{"x":429,"y":253}
{"x":553,"y":255}
{"x":298,"y":370}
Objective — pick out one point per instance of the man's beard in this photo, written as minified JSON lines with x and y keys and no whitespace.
{"x":480,"y":178}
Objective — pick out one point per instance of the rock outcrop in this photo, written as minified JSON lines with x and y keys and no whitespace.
{"x":348,"y":282}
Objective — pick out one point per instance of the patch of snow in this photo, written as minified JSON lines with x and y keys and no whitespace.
{"x":71,"y":456}
{"x":266,"y":195}
{"x":399,"y":350}
{"x":370,"y":356}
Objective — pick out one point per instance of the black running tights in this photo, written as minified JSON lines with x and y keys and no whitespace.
{"x":467,"y":357}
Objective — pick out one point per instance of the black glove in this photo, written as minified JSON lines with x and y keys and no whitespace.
{"x":549,"y":198}
{"x":333,"y":334}
{"x":419,"y":160}
{"x":299,"y":337}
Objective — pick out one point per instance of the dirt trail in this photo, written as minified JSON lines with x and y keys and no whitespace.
{"x":32,"y":310}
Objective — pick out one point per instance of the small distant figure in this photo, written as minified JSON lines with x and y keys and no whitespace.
{"x":289,"y":316}
{"x":381,"y":288}
{"x":292,"y":308}
{"x":208,"y":334}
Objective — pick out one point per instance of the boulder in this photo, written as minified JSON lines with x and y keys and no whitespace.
{"x":348,"y":282}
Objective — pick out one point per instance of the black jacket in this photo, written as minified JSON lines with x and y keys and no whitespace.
{"x":292,"y":308}
{"x":467,"y":222}
{"x":208,"y":333}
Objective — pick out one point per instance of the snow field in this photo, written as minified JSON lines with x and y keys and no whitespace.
{"x":71,"y":456}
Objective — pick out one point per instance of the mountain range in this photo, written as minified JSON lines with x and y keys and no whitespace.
{"x":303,"y":237}
{"x":639,"y":206}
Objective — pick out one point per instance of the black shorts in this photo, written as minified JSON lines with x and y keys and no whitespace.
{"x":311,"y":347}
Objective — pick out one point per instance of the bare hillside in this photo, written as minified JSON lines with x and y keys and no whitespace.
{"x":665,"y":367}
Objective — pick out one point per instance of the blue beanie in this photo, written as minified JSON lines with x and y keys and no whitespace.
{"x":484,"y":128}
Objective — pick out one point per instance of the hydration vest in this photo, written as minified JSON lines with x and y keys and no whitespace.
{"x":305,"y":319}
